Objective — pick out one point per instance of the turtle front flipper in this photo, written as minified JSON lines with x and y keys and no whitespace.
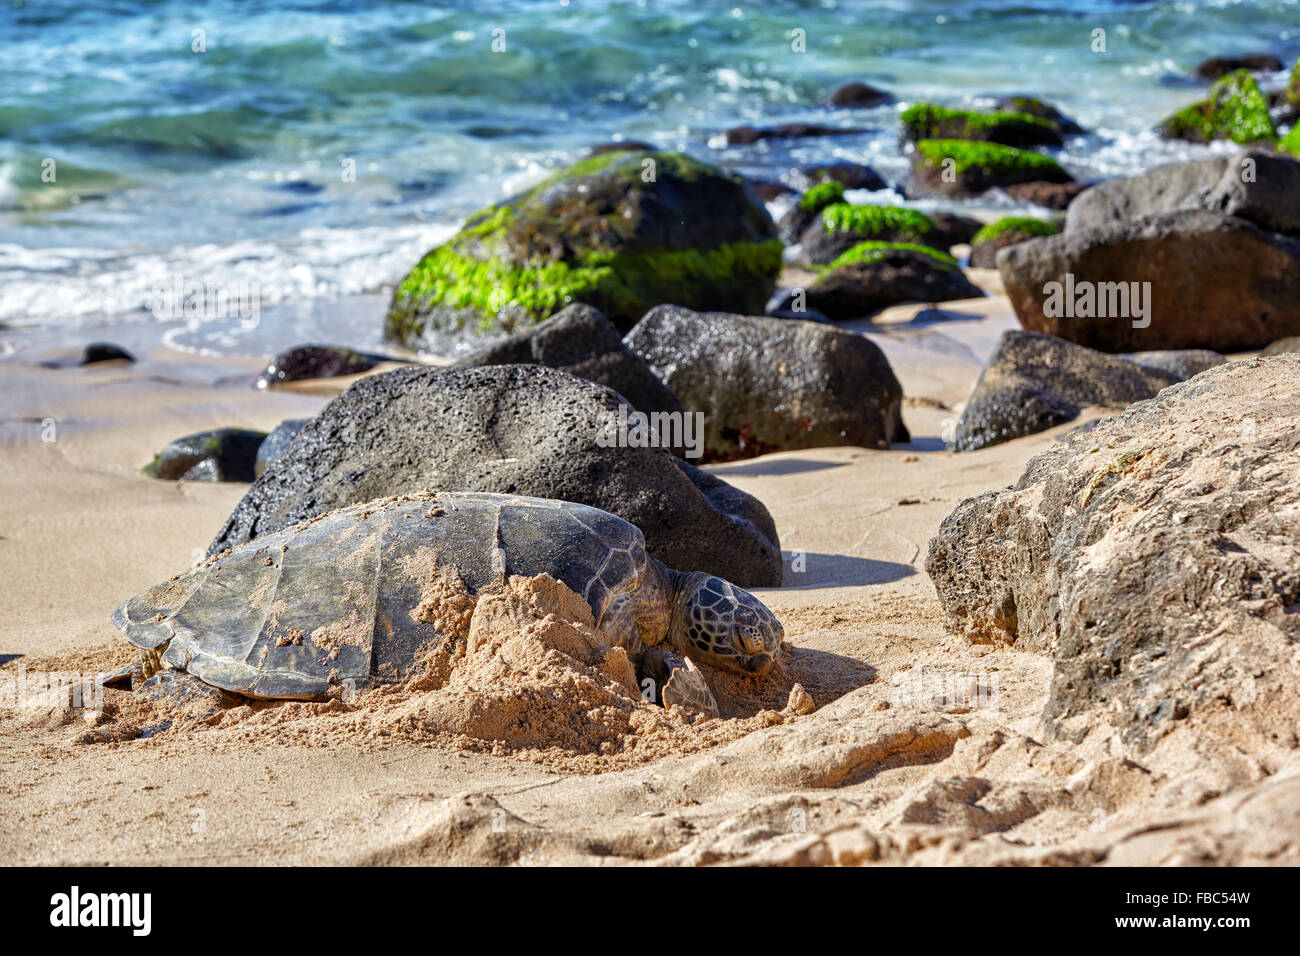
{"x":685,"y":685}
{"x":150,"y":662}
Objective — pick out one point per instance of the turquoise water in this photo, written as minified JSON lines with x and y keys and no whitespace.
{"x":228,"y":163}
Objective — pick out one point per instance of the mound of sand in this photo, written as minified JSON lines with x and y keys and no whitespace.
{"x":523,"y":671}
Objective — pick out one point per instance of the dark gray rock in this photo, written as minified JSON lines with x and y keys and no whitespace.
{"x":509,"y":429}
{"x":789,"y":304}
{"x":1057,"y":196}
{"x":1260,"y":187}
{"x":620,"y":146}
{"x":1035,"y":382}
{"x":768,"y":190}
{"x":902,"y":275}
{"x":851,"y":175}
{"x":767,"y":384}
{"x":1217,"y":66}
{"x":581,"y":341}
{"x":226,"y":454}
{"x":745,"y":135}
{"x":1035,"y":107}
{"x":858,"y":95}
{"x":1183,"y":363}
{"x":314,"y":361}
{"x":1155,"y":558}
{"x":952,"y":229}
{"x":105,"y":352}
{"x":276,"y":442}
{"x":1203,"y":281}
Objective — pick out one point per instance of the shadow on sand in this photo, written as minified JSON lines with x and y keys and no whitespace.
{"x":838,"y":571}
{"x":786,"y":466}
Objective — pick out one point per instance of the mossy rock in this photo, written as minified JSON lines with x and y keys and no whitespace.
{"x":1005,"y":232}
{"x":875,"y":275}
{"x":1291,"y":142}
{"x":1235,"y":110}
{"x":867,"y":253}
{"x":1293,"y":88}
{"x":622,"y":232}
{"x":956,"y":167}
{"x":842,"y":226}
{"x":822,"y":195}
{"x":1026,"y":225}
{"x":928,"y":121}
{"x":226,"y":454}
{"x":805,"y":212}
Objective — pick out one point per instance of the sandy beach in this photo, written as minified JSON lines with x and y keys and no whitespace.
{"x":918,"y":746}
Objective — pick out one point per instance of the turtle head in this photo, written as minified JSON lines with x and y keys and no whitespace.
{"x":723,"y":625}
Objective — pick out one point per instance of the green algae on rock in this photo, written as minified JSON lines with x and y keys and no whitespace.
{"x":866,"y":253}
{"x":1235,"y":110}
{"x":928,"y":121}
{"x":842,"y":226}
{"x":621,"y":231}
{"x":1004,"y":232}
{"x":824,"y":194}
{"x":875,"y":275}
{"x":874,"y":220}
{"x":1290,"y":143}
{"x":1022,"y":224}
{"x":958,"y":167}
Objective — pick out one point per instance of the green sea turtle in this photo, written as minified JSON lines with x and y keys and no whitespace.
{"x":344,"y":599}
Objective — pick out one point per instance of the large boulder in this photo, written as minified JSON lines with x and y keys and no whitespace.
{"x":510,"y":429}
{"x":622,"y":231}
{"x":961,"y":168}
{"x":1181,"y":280}
{"x":1257,"y":186}
{"x":1035,"y":382}
{"x":768,"y":384}
{"x":875,"y":275}
{"x":1155,"y":558}
{"x":581,"y":341}
{"x":274,"y":445}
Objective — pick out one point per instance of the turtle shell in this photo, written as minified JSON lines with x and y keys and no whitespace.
{"x":331,"y":600}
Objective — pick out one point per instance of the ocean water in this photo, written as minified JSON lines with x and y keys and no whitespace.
{"x":310,"y":152}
